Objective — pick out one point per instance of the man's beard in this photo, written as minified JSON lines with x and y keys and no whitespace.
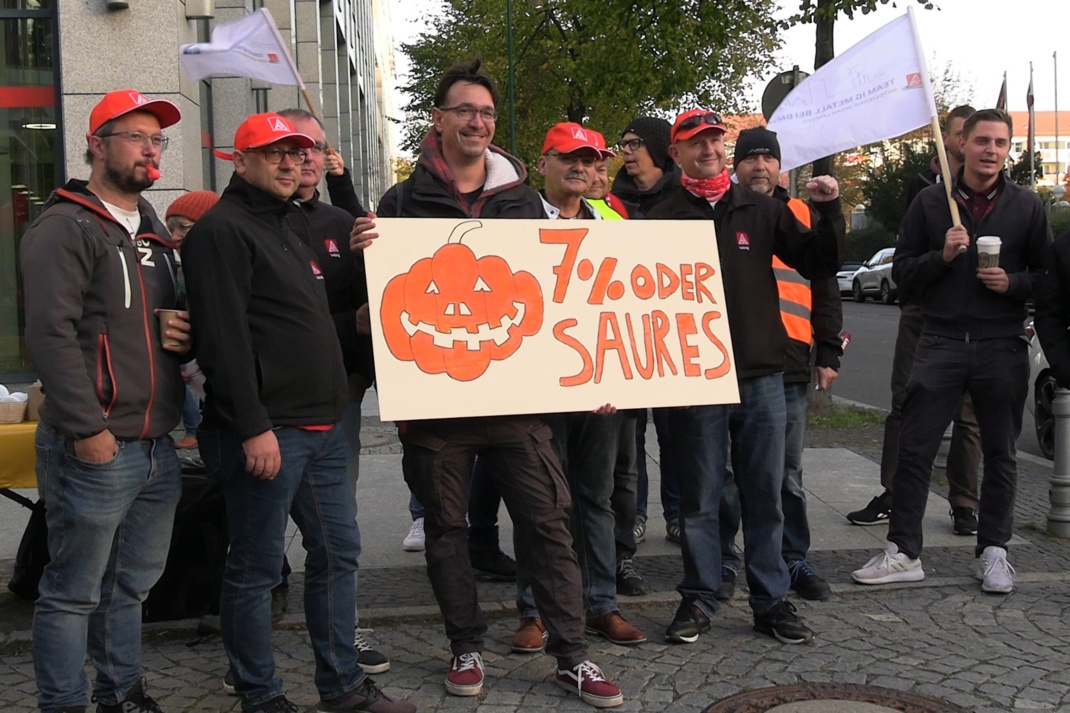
{"x":127,"y":181}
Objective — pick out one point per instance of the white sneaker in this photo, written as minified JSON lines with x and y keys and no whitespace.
{"x":414,"y":541}
{"x":890,"y":566}
{"x":994,"y":571}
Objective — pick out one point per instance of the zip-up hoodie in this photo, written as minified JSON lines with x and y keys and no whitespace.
{"x":264,"y":334}
{"x":625,"y":188}
{"x":90,"y":327}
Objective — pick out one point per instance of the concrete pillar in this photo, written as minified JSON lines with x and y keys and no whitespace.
{"x":1059,"y":493}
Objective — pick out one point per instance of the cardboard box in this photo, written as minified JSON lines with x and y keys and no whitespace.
{"x":37,"y":397}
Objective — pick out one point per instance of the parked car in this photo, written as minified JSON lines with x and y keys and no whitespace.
{"x":1041,"y":394}
{"x":874,"y":278}
{"x":845,"y":275}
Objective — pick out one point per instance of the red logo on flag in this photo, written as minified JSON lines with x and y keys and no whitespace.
{"x":332,"y":247}
{"x":273,"y":58}
{"x":914,"y":80}
{"x":742,"y":241}
{"x":316,"y":270}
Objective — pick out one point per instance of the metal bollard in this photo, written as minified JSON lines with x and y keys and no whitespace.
{"x":1059,"y":493}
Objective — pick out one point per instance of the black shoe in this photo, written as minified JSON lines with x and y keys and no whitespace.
{"x":493,"y":565}
{"x":278,"y":704}
{"x":280,"y":602}
{"x":136,"y":701}
{"x":808,"y":583}
{"x":365,"y":697}
{"x":689,"y":622}
{"x":964,"y":521}
{"x":228,"y":683}
{"x":878,"y":511}
{"x":629,"y":583}
{"x":728,"y":585}
{"x":672,"y":531}
{"x":370,"y":660}
{"x":781,"y":622}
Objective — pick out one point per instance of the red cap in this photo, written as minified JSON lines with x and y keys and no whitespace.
{"x":115,"y":104}
{"x":695,"y":121}
{"x":568,"y":138}
{"x":264,"y":129}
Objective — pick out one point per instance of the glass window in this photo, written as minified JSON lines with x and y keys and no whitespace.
{"x":30,"y":159}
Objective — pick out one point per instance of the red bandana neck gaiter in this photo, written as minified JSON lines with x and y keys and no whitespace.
{"x":712,"y":189}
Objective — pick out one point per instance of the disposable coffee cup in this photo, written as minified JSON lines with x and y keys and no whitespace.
{"x":164,"y":315}
{"x":988,"y":251}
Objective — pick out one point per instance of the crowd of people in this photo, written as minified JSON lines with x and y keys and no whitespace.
{"x":112,"y":326}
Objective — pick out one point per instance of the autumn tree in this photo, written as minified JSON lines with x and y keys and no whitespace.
{"x":596,"y":62}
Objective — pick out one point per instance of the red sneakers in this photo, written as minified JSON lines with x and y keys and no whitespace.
{"x":591,"y":685}
{"x":465,"y":677}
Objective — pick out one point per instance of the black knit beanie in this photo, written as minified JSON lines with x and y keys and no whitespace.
{"x":758,"y":140}
{"x":655,"y":135}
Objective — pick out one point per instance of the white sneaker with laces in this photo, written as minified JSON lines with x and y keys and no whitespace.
{"x":888,"y":567}
{"x":994,"y":571}
{"x":414,"y":541}
{"x":592,"y":686}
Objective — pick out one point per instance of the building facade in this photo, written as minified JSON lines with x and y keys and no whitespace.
{"x":60,"y":57}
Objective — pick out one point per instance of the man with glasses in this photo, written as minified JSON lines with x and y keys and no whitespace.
{"x":750,"y":229}
{"x":97,"y":264}
{"x":460,"y":175}
{"x":649,"y":174}
{"x":276,"y":391}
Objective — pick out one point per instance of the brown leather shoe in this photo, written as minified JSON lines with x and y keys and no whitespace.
{"x":616,"y":628}
{"x":530,"y":636}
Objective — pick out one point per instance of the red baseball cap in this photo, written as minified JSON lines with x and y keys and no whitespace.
{"x":568,"y":137}
{"x":267,"y":128}
{"x":123,"y":101}
{"x":695,"y":121}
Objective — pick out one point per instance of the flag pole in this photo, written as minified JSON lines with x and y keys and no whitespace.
{"x":934,"y":125}
{"x":297,"y":75}
{"x":1055,"y":61}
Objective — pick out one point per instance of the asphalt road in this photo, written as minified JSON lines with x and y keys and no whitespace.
{"x":867,"y":363}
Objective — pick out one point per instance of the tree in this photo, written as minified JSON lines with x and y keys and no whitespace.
{"x":1019,"y":169}
{"x":597,"y":62}
{"x":887,"y":182}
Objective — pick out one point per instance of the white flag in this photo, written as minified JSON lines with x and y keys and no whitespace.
{"x":876,"y":90}
{"x":249,"y":47}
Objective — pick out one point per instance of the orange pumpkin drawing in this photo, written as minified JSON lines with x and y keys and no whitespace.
{"x":452,"y":313}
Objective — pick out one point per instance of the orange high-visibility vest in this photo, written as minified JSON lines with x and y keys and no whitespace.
{"x":794,"y":289}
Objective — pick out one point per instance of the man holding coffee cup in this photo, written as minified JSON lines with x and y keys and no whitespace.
{"x":972,"y":341}
{"x":97,"y":265}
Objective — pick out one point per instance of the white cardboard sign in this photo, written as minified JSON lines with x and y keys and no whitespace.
{"x":489,"y":317}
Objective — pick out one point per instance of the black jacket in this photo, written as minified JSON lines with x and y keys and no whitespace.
{"x":343,"y":194}
{"x":264,"y":334}
{"x":90,"y":327}
{"x":751,"y":228}
{"x":624,"y":188}
{"x":954,"y":302}
{"x":1052,"y":317}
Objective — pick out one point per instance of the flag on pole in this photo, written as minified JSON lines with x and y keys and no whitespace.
{"x":1001,"y":102}
{"x":1032,"y":115}
{"x":876,"y":90}
{"x":247,"y":47}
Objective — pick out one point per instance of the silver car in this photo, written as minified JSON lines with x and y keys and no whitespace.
{"x":1041,"y":393}
{"x":874,"y":278}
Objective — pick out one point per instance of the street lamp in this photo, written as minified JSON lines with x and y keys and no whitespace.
{"x":1055,"y":198}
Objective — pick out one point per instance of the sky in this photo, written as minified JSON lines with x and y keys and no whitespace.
{"x":979,"y":39}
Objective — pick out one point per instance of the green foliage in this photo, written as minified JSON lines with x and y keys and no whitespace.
{"x":1060,"y":222}
{"x":1019,"y":170}
{"x":887,"y":185}
{"x":811,"y":10}
{"x":861,"y":244}
{"x":597,"y":62}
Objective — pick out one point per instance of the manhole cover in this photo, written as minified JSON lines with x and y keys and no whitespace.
{"x":834,"y":697}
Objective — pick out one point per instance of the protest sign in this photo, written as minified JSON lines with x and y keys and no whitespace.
{"x":487,"y":317}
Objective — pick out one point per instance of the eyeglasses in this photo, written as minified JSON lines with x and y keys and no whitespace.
{"x":570,"y":159}
{"x":317,"y":150}
{"x":158,"y":141}
{"x":631,"y":145}
{"x":274,"y":156}
{"x":712,"y":118}
{"x":467,"y":112}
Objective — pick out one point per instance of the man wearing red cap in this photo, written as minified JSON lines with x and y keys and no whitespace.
{"x":97,"y":264}
{"x":271,"y":428}
{"x":461,"y":175}
{"x":750,"y":229}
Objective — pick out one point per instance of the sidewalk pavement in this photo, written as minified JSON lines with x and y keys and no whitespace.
{"x":941,"y":637}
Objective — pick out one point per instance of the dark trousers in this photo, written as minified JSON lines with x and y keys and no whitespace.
{"x":964,"y":456}
{"x":670,"y":490}
{"x":625,"y":489}
{"x":995,"y":373}
{"x":438,"y":460}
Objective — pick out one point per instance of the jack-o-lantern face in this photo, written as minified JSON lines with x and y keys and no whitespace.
{"x":452,"y":313}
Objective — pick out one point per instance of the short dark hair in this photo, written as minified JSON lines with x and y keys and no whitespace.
{"x":295,"y":113}
{"x":104,"y":130}
{"x":959,"y":112}
{"x":470,"y":72}
{"x":987,"y":115}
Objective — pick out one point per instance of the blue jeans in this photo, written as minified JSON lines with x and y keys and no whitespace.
{"x":700,"y":436}
{"x":792,"y":496}
{"x":312,"y":487}
{"x":670,"y":491}
{"x":109,"y":529}
{"x":191,"y":413}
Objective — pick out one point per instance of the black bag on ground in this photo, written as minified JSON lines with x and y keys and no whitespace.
{"x":32,"y":555}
